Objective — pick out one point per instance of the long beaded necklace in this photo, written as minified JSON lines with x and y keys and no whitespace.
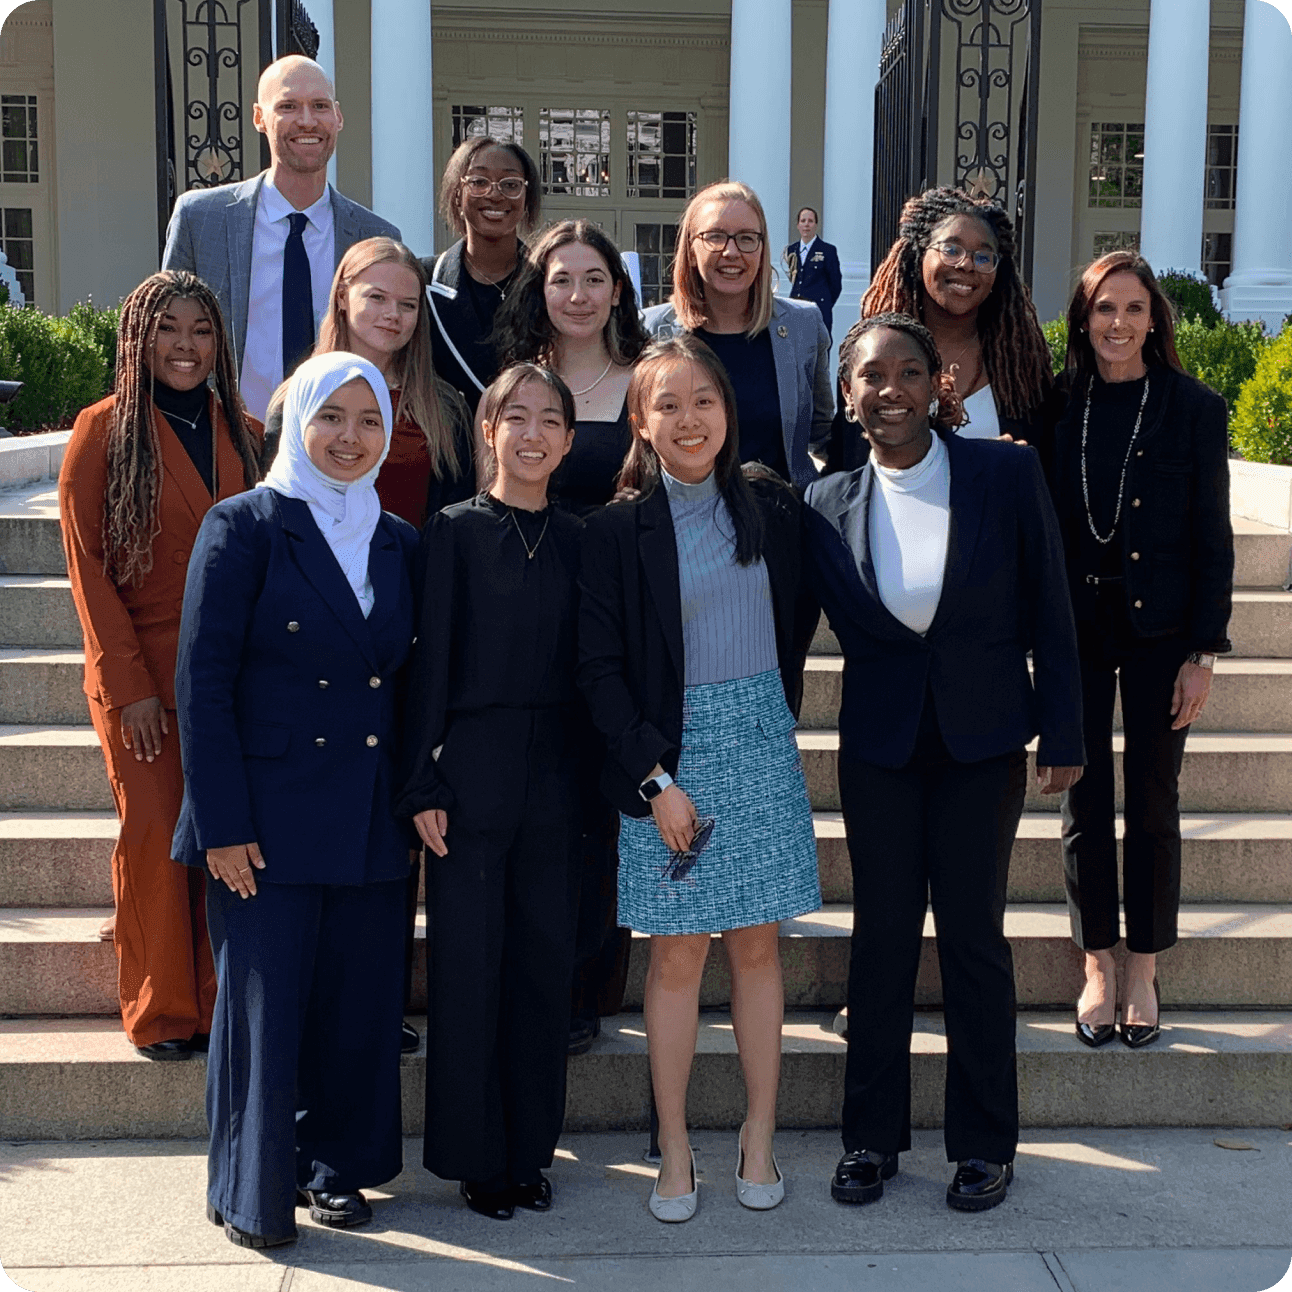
{"x":588,"y":389}
{"x":1121,"y":486}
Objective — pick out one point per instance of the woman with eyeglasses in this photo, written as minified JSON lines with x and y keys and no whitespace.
{"x":489,"y":192}
{"x":775,"y":350}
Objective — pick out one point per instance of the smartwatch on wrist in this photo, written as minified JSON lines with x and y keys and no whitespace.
{"x":655,"y":786}
{"x":1202,"y":659}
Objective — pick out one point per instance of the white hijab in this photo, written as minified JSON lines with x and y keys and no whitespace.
{"x":346,"y":514}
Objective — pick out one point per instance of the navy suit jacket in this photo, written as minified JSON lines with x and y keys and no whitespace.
{"x":819,"y":280}
{"x":1004,"y":593}
{"x":287,"y":695}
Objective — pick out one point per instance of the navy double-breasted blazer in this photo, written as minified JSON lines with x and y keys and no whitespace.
{"x":286,"y":695}
{"x":1004,"y":593}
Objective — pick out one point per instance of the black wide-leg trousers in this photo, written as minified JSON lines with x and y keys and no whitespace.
{"x":302,"y":1079}
{"x":1146,"y":672}
{"x":501,"y":911}
{"x":942,"y":829}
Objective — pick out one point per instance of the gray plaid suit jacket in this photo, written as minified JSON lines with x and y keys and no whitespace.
{"x":210,"y":233}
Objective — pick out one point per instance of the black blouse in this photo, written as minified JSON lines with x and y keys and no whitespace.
{"x":497,"y":627}
{"x":752,"y":368}
{"x":586,"y":479}
{"x":189,"y":415}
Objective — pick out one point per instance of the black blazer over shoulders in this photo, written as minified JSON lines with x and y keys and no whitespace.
{"x":1177,"y":541}
{"x":1003,"y":594}
{"x":631,"y":666}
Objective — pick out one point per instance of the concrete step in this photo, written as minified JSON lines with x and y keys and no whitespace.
{"x":1229,"y":955}
{"x":51,"y":767}
{"x":37,"y":610}
{"x":42,"y":684}
{"x":62,"y":859}
{"x":80,"y":1079}
{"x":1247,"y":695}
{"x":1223,"y":772}
{"x":30,"y":540}
{"x":1262,"y":555}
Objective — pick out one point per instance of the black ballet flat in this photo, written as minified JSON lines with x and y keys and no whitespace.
{"x":240,"y":1237}
{"x":410,"y":1039}
{"x":337,"y":1210}
{"x":1095,"y":1034}
{"x":1135,"y":1036}
{"x":166,"y":1051}
{"x":533,"y":1197}
{"x":500,"y":1205}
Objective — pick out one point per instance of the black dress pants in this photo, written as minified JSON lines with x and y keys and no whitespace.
{"x":946,"y":829}
{"x":1145,"y":670}
{"x":501,"y":910}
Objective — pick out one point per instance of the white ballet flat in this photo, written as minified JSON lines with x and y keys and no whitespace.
{"x":757,"y":1197}
{"x":673,"y":1211}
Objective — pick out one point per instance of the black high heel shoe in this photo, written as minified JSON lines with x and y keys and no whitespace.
{"x":1094,"y":1034}
{"x":1135,"y":1036}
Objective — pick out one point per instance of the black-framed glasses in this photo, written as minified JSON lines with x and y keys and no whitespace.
{"x":717,"y":240}
{"x":680,"y":863}
{"x":952,"y":253}
{"x":479,"y":186}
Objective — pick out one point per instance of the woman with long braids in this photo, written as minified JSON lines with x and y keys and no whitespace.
{"x":140,"y":471}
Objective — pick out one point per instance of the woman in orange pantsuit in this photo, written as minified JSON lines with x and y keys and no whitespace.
{"x":140,"y":471}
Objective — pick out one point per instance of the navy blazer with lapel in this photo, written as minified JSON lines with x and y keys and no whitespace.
{"x":820,"y":280}
{"x":287,"y":695}
{"x":1004,"y":593}
{"x":632,"y":671}
{"x":211,"y":231}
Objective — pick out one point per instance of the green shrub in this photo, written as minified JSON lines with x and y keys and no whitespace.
{"x":1261,"y":427}
{"x":1224,"y":357}
{"x":1191,"y":296}
{"x":1056,"y":337}
{"x":61,"y":367}
{"x":101,"y":325}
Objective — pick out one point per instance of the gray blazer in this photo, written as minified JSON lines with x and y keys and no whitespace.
{"x":210,"y":233}
{"x":801,"y":351}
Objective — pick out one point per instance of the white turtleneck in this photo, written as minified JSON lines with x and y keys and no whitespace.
{"x":910,"y":514}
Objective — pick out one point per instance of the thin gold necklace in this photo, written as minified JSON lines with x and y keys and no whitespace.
{"x":529,"y":551}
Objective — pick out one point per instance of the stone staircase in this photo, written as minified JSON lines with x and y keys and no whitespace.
{"x":66,"y":1070}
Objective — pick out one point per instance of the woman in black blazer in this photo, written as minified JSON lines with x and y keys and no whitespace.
{"x":298,"y":615}
{"x":1139,"y":468}
{"x":939,"y":567}
{"x":692,"y":636}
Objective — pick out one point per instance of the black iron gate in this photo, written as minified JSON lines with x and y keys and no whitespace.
{"x":990,"y":51}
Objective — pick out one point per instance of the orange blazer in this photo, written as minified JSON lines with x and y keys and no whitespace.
{"x":132,"y":633}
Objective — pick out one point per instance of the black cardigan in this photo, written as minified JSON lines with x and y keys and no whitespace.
{"x":1176,"y":539}
{"x":631,"y":667}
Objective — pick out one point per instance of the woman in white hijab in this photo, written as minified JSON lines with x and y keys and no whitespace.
{"x":298,"y":615}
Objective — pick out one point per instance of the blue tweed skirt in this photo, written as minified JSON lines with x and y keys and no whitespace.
{"x":740,"y":765}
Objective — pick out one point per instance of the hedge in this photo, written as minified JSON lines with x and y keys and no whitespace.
{"x":1261,"y":426}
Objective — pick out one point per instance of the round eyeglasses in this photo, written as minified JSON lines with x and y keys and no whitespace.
{"x":952,"y":253}
{"x":478,"y":186}
{"x":717,"y":240}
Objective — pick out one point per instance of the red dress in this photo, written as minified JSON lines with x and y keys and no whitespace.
{"x":405,"y":476}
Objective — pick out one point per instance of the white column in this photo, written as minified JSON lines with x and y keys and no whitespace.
{"x":403,"y":152}
{"x":759,"y":137}
{"x":1260,"y":286}
{"x":1175,"y":134}
{"x":321,"y":13}
{"x":853,"y":44}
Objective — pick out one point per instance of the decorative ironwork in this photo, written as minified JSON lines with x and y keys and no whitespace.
{"x":297,"y":33}
{"x":213,"y":91}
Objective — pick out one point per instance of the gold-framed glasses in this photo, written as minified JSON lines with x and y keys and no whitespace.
{"x":511,"y":186}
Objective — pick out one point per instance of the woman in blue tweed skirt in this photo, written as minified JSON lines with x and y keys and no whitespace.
{"x":692,"y":637}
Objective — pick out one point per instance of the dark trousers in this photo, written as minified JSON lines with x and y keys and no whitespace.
{"x":501,"y":911}
{"x":302,"y":1081}
{"x":1146,"y":671}
{"x":600,"y":946}
{"x":946,"y":829}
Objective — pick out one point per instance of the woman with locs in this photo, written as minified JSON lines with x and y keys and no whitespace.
{"x":1138,"y":465}
{"x":573,"y":308}
{"x":491,"y":784}
{"x":141,"y":469}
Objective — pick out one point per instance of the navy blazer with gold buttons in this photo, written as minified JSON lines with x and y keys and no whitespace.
{"x":286,"y":695}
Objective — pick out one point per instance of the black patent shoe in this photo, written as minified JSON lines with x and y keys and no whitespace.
{"x":533,"y":1197}
{"x":1136,"y":1036}
{"x":240,"y":1237}
{"x":583,"y":1031}
{"x":338,"y":1210}
{"x":166,"y":1051}
{"x":497,"y":1206}
{"x":1095,"y":1034}
{"x":410,"y":1039}
{"x":979,"y":1185}
{"x":860,"y":1175}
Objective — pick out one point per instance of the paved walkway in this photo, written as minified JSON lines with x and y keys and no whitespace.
{"x":1090,"y":1211}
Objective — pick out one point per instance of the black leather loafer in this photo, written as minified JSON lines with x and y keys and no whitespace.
{"x":1095,"y":1034}
{"x":166,"y":1051}
{"x":240,"y":1237}
{"x":979,"y":1185}
{"x":200,"y":1043}
{"x":339,"y":1210}
{"x":860,"y":1175}
{"x":583,"y":1031}
{"x":410,"y":1039}
{"x":497,"y":1206}
{"x":533,"y":1197}
{"x":1136,"y":1036}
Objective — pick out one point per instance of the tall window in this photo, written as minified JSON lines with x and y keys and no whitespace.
{"x":1120,"y":240}
{"x":1116,"y":163}
{"x":18,"y":164}
{"x":1217,"y":257}
{"x":507,"y":125}
{"x":661,"y":154}
{"x":19,"y":247}
{"x":655,"y":245}
{"x":1222,"y":166}
{"x":574,"y":151}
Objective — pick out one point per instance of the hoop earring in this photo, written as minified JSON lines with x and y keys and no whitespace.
{"x":848,"y":414}
{"x":934,"y":405}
